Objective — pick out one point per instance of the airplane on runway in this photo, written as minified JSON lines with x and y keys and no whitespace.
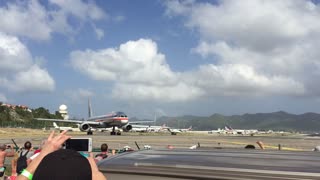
{"x":148,"y":128}
{"x":185,"y":130}
{"x":111,"y":120}
{"x":175,"y":131}
{"x":229,"y":130}
{"x":62,"y":128}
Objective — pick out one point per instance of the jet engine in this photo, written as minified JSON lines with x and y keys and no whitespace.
{"x":127,"y":128}
{"x":84,"y":127}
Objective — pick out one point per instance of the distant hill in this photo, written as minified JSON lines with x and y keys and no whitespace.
{"x":307,"y":122}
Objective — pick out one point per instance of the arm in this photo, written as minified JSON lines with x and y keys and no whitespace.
{"x":53,"y":143}
{"x":96,"y":174}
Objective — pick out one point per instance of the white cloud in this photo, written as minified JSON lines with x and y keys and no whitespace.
{"x":138,"y":70}
{"x":99,"y":32}
{"x":134,"y":62}
{"x":178,"y":7}
{"x":17,"y":68}
{"x":33,"y":79}
{"x":80,"y":9}
{"x":274,"y":41}
{"x":14,"y":56}
{"x":42,"y":20}
{"x":254,"y":24}
{"x":141,"y":73}
{"x":27,"y":19}
{"x":239,"y":80}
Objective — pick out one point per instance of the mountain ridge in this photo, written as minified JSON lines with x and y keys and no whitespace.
{"x":279,"y":120}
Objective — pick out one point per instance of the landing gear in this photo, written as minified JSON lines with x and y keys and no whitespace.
{"x":113,"y":132}
{"x":89,"y":133}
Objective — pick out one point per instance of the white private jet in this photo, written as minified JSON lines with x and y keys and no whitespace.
{"x":62,"y":128}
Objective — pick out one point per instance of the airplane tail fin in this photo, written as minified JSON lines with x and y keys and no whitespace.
{"x":89,"y":108}
{"x":228,"y":128}
{"x":55,"y":125}
{"x":190,"y":128}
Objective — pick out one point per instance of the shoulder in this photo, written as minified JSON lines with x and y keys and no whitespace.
{"x":23,"y":152}
{"x":103,"y":155}
{"x":3,"y":153}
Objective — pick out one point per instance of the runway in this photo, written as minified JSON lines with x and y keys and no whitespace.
{"x":158,"y":140}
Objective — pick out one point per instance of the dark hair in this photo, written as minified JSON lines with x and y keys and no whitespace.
{"x":104,"y":147}
{"x":250,"y":146}
{"x":63,"y":164}
{"x":27,"y":145}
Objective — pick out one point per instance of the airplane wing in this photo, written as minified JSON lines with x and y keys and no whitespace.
{"x":140,"y":122}
{"x":174,"y":130}
{"x":69,"y":121}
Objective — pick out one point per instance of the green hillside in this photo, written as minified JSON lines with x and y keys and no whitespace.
{"x":21,"y":117}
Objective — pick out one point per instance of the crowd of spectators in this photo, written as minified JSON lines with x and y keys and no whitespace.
{"x":50,"y":161}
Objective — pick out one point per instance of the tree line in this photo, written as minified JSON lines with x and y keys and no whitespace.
{"x":25,"y":118}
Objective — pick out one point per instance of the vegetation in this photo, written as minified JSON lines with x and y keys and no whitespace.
{"x":20,"y":117}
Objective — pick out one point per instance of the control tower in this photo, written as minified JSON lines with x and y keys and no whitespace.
{"x":63,"y":110}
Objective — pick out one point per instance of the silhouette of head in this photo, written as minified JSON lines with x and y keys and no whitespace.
{"x":2,"y":147}
{"x":64,"y":164}
{"x":104,"y":147}
{"x":27,"y":145}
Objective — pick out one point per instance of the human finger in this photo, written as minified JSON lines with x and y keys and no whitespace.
{"x":60,"y":139}
{"x":90,"y":158}
{"x":51,"y":136}
{"x":63,"y":132}
{"x":63,"y":139}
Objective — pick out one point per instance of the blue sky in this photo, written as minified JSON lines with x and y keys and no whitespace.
{"x":166,"y":57}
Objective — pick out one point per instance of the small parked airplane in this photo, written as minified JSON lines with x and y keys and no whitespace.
{"x":229,"y":130}
{"x":148,"y":128}
{"x":175,"y":131}
{"x":62,"y":128}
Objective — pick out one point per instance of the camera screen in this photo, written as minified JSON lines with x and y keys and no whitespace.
{"x":77,"y":144}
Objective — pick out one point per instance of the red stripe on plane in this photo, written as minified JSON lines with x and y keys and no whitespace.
{"x":117,"y":119}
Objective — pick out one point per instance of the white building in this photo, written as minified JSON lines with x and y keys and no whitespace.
{"x":63,"y":110}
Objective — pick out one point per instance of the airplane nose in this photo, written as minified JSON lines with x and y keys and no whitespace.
{"x":124,"y":121}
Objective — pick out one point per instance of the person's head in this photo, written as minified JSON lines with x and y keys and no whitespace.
{"x":27,"y":145}
{"x":104,"y":147}
{"x":64,"y":164}
{"x":2,"y":147}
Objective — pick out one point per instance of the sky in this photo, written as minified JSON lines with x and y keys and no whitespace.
{"x":168,"y":58}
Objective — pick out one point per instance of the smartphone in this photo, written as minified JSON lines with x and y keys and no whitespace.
{"x":79,"y":144}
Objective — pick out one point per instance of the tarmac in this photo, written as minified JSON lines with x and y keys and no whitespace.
{"x":227,"y":150}
{"x":292,"y":142}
